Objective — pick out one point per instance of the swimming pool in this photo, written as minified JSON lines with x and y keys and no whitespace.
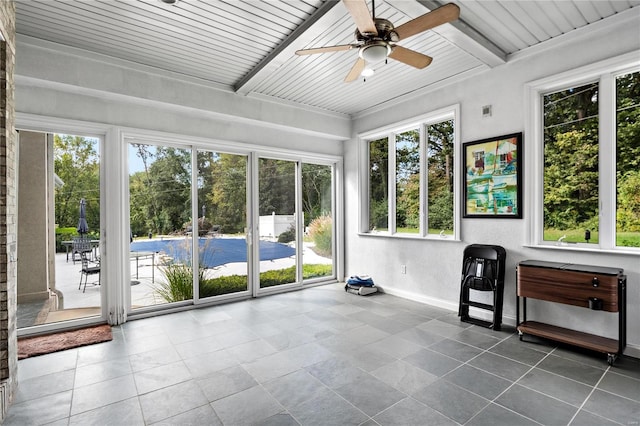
{"x":215,"y":251}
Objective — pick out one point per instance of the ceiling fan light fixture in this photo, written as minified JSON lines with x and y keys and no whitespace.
{"x":375,"y":52}
{"x":169,"y":1}
{"x":367,"y":71}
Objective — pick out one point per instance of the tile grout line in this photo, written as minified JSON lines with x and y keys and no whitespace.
{"x":493,"y":401}
{"x":593,"y":389}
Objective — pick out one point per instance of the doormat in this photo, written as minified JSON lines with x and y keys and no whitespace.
{"x":41,"y":345}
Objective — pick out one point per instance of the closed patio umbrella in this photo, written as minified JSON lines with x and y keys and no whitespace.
{"x":83,"y":227}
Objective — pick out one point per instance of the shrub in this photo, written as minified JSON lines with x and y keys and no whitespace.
{"x":288,"y":235}
{"x":67,"y":234}
{"x":179,"y":283}
{"x":223,"y":285}
{"x":320,"y":231}
{"x":235,"y":283}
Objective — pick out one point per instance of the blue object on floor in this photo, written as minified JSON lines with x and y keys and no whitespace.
{"x":215,"y":251}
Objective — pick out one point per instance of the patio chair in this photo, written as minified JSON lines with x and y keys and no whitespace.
{"x":80,"y":245}
{"x":87,"y":270}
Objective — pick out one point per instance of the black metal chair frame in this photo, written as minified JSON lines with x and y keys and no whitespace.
{"x":482,"y":270}
{"x":80,"y":245}
{"x":87,"y":270}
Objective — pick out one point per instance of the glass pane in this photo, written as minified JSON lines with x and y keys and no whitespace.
{"x":160,"y":222}
{"x":628,"y":160}
{"x":222,"y":205}
{"x":408,"y":182}
{"x":379,"y":185}
{"x":61,"y":279}
{"x":278,"y":230}
{"x":571,"y":165}
{"x":440,"y":185}
{"x":317,"y":255}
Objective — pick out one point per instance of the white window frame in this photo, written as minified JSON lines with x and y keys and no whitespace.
{"x":421,"y":123}
{"x":605,"y":73}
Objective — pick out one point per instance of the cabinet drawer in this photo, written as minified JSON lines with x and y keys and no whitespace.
{"x":569,"y":287}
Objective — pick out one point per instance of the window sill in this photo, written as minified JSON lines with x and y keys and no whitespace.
{"x":572,"y":247}
{"x":449,"y":238}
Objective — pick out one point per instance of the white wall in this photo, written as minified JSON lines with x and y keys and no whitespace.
{"x":433,"y":268}
{"x":61,"y":82}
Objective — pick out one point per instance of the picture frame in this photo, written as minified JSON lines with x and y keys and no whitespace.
{"x":492,"y":182}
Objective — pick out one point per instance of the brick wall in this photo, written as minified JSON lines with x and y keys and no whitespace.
{"x":8,"y":225}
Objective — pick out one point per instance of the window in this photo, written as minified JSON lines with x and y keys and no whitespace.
{"x":586,"y":180}
{"x":410,"y":174}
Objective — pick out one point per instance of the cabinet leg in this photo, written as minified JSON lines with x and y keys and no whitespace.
{"x":520,"y":334}
{"x":611,"y":358}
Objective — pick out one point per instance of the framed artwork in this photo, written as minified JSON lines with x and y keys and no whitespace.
{"x":493,"y":177}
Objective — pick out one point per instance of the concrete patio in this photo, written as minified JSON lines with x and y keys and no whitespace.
{"x":70,"y":302}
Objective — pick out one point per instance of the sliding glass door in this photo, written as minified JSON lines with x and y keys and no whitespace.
{"x":318,"y":242}
{"x":161,"y":229}
{"x":278,"y":222}
{"x":191,"y":210}
{"x":59,"y":230}
{"x":223,"y":252}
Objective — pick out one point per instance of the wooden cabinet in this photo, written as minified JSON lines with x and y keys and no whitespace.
{"x":591,"y":287}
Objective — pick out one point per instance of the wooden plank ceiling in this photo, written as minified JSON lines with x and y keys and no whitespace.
{"x":248,"y":45}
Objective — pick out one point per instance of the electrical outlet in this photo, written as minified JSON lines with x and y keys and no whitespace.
{"x":403,"y":269}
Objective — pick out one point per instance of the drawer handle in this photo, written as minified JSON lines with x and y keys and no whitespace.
{"x":595,"y":282}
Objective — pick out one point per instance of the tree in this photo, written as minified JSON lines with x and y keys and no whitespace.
{"x":440,"y":169}
{"x":161,"y":193}
{"x":571,"y":158}
{"x":77,"y":164}
{"x":227,"y":178}
{"x":276,"y":187}
{"x":378,"y":183}
{"x":316,"y":191}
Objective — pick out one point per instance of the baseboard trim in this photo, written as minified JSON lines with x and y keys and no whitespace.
{"x":421,"y":298}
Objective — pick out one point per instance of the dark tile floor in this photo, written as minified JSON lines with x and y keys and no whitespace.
{"x":323,"y":357}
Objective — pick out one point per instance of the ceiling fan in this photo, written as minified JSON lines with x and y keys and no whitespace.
{"x":376,"y":38}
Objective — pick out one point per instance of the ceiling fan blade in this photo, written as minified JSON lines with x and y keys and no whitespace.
{"x":360,"y":13}
{"x":356,"y":70}
{"x":324,"y":49}
{"x":410,"y":57}
{"x":447,"y":13}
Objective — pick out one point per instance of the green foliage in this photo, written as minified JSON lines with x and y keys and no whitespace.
{"x":570,"y":180}
{"x":77,"y":163}
{"x":378,"y":183}
{"x":316,"y":191}
{"x":223,"y":285}
{"x":378,"y":214}
{"x":224,"y":189}
{"x":320,"y":231}
{"x":276,"y":193}
{"x":571,"y":235}
{"x":235,"y":283}
{"x":288,"y":235}
{"x":179,"y":278}
{"x":571,"y":161}
{"x":440,"y":151}
{"x":628,"y":214}
{"x":441,"y":211}
{"x":64,"y":234}
{"x":160,"y":195}
{"x":179,"y":283}
{"x":67,"y":234}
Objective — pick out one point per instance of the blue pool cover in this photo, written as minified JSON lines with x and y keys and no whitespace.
{"x":215,"y":251}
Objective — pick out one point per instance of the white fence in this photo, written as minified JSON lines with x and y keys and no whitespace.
{"x":275,"y":224}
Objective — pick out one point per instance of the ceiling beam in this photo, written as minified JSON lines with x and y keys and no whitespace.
{"x":458,"y":32}
{"x":285,"y":48}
